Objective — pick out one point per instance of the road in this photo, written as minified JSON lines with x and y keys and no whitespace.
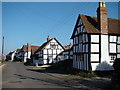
{"x":17,"y":75}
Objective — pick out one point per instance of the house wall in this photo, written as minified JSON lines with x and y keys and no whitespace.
{"x":80,"y":47}
{"x":39,"y":59}
{"x":108,"y":53}
{"x":27,"y":56}
{"x":103,"y":50}
{"x":19,"y":55}
{"x":118,"y":47}
{"x":94,"y":51}
{"x":50,"y":52}
{"x":66,"y":55}
{"x":13,"y":55}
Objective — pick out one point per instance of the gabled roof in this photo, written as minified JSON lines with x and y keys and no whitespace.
{"x":29,"y":48}
{"x":68,"y":47}
{"x":71,"y":48}
{"x":90,"y":23}
{"x":34,"y":48}
{"x":18,"y":50}
{"x":46,"y":43}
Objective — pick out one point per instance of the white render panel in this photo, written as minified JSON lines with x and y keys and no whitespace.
{"x":54,"y":56}
{"x":49,"y":51}
{"x":59,"y":47}
{"x":45,"y":51}
{"x":86,"y":36}
{"x":58,"y":51}
{"x":119,"y":39}
{"x":53,"y":41}
{"x":45,"y":57}
{"x":27,"y":56}
{"x":94,"y":38}
{"x":118,"y":48}
{"x":54,"y":51}
{"x":94,"y":47}
{"x":104,"y":49}
{"x":113,"y":38}
{"x":118,"y":55}
{"x":12,"y":57}
{"x":84,"y":29}
{"x":45,"y":61}
{"x":112,"y":48}
{"x":94,"y":57}
{"x":48,"y":46}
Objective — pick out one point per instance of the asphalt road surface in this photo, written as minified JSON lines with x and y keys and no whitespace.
{"x":17,"y":75}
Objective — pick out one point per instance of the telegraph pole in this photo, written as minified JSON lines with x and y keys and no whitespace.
{"x":2,"y":48}
{"x":27,"y":49}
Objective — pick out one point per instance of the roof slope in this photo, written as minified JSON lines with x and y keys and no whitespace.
{"x":90,"y":23}
{"x":46,"y":43}
{"x":34,"y":48}
{"x":29,"y":48}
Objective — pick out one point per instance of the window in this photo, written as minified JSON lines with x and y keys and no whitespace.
{"x":53,"y":46}
{"x":112,"y":44}
{"x":112,"y":57}
{"x":80,"y":57}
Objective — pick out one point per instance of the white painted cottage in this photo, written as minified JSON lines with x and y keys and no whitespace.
{"x":27,"y":52}
{"x":10,"y":56}
{"x":96,"y":41}
{"x":48,"y":52}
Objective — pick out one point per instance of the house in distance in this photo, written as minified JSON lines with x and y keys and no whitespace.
{"x":47,"y":53}
{"x":96,"y":41}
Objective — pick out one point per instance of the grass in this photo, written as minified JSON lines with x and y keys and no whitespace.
{"x":1,"y":62}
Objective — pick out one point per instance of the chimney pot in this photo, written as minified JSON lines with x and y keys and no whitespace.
{"x":100,"y":4}
{"x":104,"y":4}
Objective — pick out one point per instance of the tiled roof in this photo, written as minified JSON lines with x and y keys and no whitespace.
{"x":68,"y":47}
{"x":90,"y":23}
{"x":29,"y":48}
{"x":34,"y":48}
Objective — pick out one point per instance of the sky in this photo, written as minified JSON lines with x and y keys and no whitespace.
{"x":32,"y":22}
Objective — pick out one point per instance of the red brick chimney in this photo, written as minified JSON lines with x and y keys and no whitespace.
{"x":102,"y":17}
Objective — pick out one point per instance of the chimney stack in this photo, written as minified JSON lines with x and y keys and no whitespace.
{"x":102,"y":18}
{"x":48,"y":38}
{"x":70,"y":45}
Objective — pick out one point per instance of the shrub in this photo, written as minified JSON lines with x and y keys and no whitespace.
{"x":116,"y":64}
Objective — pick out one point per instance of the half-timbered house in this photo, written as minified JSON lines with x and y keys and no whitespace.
{"x":47,"y":53}
{"x":66,"y":54}
{"x":96,"y":41}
